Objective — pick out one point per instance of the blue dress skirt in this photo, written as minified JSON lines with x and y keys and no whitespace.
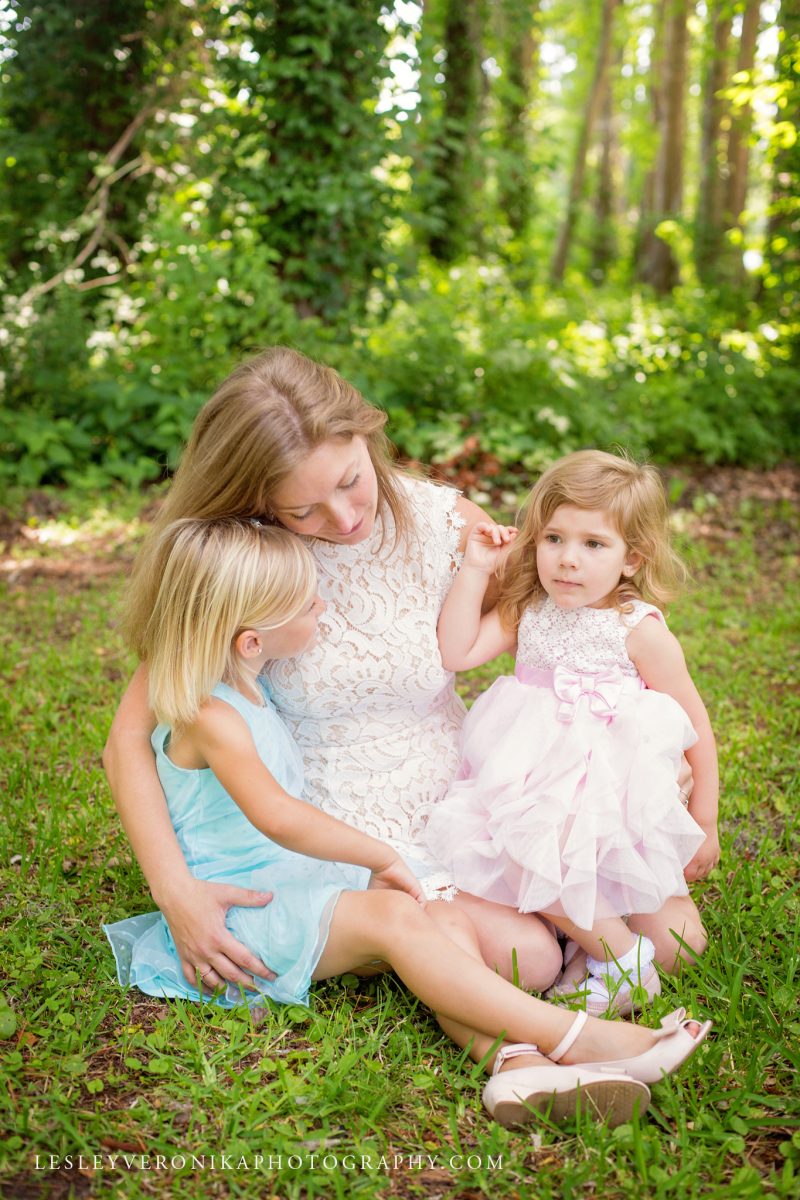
{"x":220,"y":844}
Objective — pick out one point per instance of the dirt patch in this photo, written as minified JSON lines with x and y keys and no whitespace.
{"x":719,"y":499}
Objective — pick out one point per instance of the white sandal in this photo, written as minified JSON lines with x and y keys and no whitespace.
{"x":559,"y":1093}
{"x":672,"y":1046}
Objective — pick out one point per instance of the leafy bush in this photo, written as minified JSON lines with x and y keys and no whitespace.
{"x":111,"y":394}
{"x":464,"y":363}
{"x":464,"y":355}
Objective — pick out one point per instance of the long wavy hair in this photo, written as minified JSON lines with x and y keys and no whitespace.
{"x":220,"y":577}
{"x":632,"y":496}
{"x":262,"y":422}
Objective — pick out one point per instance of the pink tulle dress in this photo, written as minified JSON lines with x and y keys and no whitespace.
{"x":566,"y":798}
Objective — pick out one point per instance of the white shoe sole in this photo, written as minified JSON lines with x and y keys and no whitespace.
{"x":516,"y":1098}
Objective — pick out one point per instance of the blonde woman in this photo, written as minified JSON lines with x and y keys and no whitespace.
{"x":232,"y":595}
{"x":583,"y":820}
{"x":373,"y":710}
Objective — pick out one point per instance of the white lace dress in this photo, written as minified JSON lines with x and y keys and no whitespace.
{"x":566,"y":799}
{"x":374,"y":712}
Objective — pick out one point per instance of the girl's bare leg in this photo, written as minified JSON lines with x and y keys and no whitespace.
{"x":679,"y":914}
{"x":506,"y":936}
{"x":608,"y":937}
{"x":455,"y":983}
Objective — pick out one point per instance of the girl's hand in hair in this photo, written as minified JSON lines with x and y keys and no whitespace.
{"x":487,"y":544}
{"x":196,"y":918}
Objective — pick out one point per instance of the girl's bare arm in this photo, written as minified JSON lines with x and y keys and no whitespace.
{"x":194,"y":909}
{"x":658,"y":657}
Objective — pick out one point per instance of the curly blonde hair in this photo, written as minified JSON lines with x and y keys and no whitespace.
{"x":632,"y":496}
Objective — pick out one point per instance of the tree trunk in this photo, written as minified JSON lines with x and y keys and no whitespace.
{"x":604,"y":243}
{"x":591,"y":110}
{"x":655,"y":94}
{"x":659,"y":267}
{"x":458,"y":139}
{"x":514,"y":169}
{"x":708,"y":217}
{"x":741,"y":121}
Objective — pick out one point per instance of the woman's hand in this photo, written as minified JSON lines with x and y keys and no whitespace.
{"x":397,"y":875}
{"x":706,"y":857}
{"x":487,"y":544}
{"x":196,"y":918}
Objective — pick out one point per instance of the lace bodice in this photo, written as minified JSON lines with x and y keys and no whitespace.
{"x":374,"y":712}
{"x":583,"y":639}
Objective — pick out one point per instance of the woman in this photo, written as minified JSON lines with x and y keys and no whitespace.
{"x":375,"y":714}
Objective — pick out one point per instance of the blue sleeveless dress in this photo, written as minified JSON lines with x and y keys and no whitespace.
{"x":220,"y":844}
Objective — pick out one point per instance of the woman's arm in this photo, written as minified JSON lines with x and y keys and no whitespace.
{"x":194,"y":909}
{"x":468,"y":637}
{"x":658,"y":657}
{"x":221,"y":737}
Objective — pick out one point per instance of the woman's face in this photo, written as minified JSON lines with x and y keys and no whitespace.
{"x":332,"y":495}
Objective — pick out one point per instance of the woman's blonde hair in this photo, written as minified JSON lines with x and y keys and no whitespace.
{"x":260,"y":425}
{"x":633,"y":497}
{"x":219,"y":578}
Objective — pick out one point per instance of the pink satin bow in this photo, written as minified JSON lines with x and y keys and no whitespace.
{"x":602,"y":691}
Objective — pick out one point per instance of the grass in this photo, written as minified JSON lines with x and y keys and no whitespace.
{"x":362,"y":1096}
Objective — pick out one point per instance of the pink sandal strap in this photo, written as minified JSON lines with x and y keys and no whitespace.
{"x":569,"y":1038}
{"x":516,"y":1050}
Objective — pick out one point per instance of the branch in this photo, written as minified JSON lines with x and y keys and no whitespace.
{"x":88,"y":284}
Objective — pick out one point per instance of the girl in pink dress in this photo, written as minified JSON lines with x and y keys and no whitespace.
{"x":566,"y":801}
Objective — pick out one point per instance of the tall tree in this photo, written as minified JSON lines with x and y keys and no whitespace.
{"x":591,"y":110}
{"x":604,"y":238}
{"x":310,"y":144}
{"x":657,"y":265}
{"x":741,"y":116}
{"x":520,"y":47}
{"x":782,"y":267}
{"x":655,"y":87}
{"x":456,"y":172}
{"x":708,"y":217}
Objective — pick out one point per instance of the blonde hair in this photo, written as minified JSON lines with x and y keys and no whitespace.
{"x":632,"y":496}
{"x":219,"y":578}
{"x":260,"y":425}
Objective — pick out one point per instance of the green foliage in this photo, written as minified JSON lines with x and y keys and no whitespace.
{"x":270,"y":192}
{"x":309,"y":144}
{"x":782,"y":275}
{"x":70,"y":86}
{"x":464,"y":363}
{"x":112,"y":395}
{"x":466,"y":356}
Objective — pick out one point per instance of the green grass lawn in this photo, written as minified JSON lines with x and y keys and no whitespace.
{"x":362,"y":1095}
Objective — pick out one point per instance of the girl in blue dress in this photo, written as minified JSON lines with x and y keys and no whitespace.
{"x":234,"y":595}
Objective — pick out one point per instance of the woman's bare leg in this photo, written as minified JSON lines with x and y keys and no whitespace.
{"x":506,"y":936}
{"x":455,"y":983}
{"x":679,"y":914}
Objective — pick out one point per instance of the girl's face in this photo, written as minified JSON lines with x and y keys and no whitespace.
{"x":291,"y":639}
{"x":581,"y":557}
{"x":332,"y":495}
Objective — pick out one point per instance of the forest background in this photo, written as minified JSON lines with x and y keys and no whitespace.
{"x":521,"y":228}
